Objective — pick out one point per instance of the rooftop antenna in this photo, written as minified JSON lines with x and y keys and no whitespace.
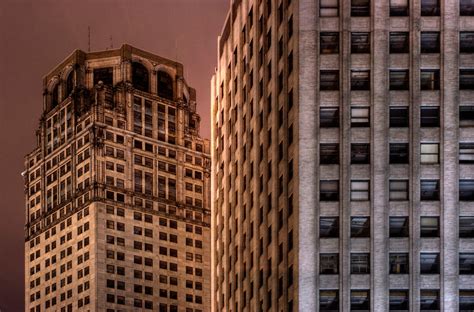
{"x":176,"y":47}
{"x":111,"y":42}
{"x":88,"y":38}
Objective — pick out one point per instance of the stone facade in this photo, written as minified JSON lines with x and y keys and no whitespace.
{"x":118,"y":189}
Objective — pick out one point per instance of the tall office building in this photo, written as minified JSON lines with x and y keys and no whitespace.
{"x":343,"y":156}
{"x":117,"y":189}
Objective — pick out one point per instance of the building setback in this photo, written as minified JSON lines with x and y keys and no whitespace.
{"x":118,"y":189}
{"x":342,"y":156}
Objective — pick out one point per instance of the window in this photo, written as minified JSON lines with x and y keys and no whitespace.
{"x":328,"y":8}
{"x":398,"y":116}
{"x":329,"y":43}
{"x":398,"y":190}
{"x":360,"y":190}
{"x":429,"y":116}
{"x":399,"y":263}
{"x":399,"y":79}
{"x":360,"y":263}
{"x":398,"y":300}
{"x":360,"y":116}
{"x":360,"y":8}
{"x":429,"y":300}
{"x":360,"y":80}
{"x":399,"y":42}
{"x":165,"y":85}
{"x":466,"y":116}
{"x":329,"y":190}
{"x":360,"y":300}
{"x":140,"y":77}
{"x":429,"y":227}
{"x":466,"y":79}
{"x":399,"y":153}
{"x":328,"y":227}
{"x":398,"y":7}
{"x":329,"y":300}
{"x":466,"y":42}
{"x":329,"y":263}
{"x":329,"y":153}
{"x":429,"y":153}
{"x":399,"y":226}
{"x":429,"y":190}
{"x":329,"y":117}
{"x":466,"y":190}
{"x":360,"y":153}
{"x":466,"y":8}
{"x":429,"y":263}
{"x":329,"y":80}
{"x":466,"y":227}
{"x":104,"y":74}
{"x":360,"y":42}
{"x":429,"y":79}
{"x":466,"y":300}
{"x":430,"y":8}
{"x":360,"y":227}
{"x":430,"y":42}
{"x":466,"y":263}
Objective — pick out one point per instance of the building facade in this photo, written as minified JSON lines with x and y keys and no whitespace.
{"x":342,"y":156}
{"x":118,"y":189}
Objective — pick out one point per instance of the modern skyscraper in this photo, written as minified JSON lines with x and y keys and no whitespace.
{"x":342,"y":156}
{"x":118,"y":189}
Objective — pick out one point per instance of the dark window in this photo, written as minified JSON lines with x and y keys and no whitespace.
{"x":69,"y":83}
{"x":466,"y":42}
{"x":140,"y":77}
{"x":430,"y":8}
{"x":466,"y":153}
{"x":360,"y":42}
{"x":466,"y":227}
{"x":360,"y":116}
{"x":429,"y":190}
{"x":360,"y":8}
{"x":329,"y":43}
{"x":329,"y":190}
{"x":429,"y":300}
{"x":360,"y":300}
{"x":398,"y":300}
{"x":329,"y":263}
{"x":399,"y":227}
{"x":328,"y":300}
{"x":398,"y":7}
{"x":329,"y":227}
{"x":466,"y":190}
{"x":466,"y":300}
{"x":329,"y":153}
{"x":360,"y":263}
{"x":429,"y":116}
{"x":360,"y":80}
{"x":399,"y":42}
{"x":55,"y":96}
{"x":398,"y":190}
{"x":329,"y":117}
{"x":429,"y":263}
{"x":399,"y":116}
{"x":399,"y":79}
{"x":360,"y":227}
{"x":329,"y":80}
{"x":430,"y":42}
{"x":466,"y":79}
{"x":429,"y":79}
{"x":399,"y":263}
{"x":328,"y":8}
{"x":429,"y":227}
{"x":104,"y":74}
{"x":360,"y":153}
{"x":466,"y":263}
{"x":399,"y":153}
{"x":165,"y":85}
{"x":466,"y":8}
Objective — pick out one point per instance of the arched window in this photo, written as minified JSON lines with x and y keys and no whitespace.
{"x":165,"y":85}
{"x":55,"y":96}
{"x":140,"y":77}
{"x":69,"y":84}
{"x":106,"y":75}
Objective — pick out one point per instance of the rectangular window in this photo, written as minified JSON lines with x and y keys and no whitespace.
{"x":429,"y":300}
{"x":328,"y":300}
{"x":429,"y":79}
{"x":430,"y":42}
{"x":360,"y":8}
{"x":466,"y":190}
{"x":399,"y":263}
{"x":360,"y":300}
{"x":360,"y":116}
{"x":360,"y":42}
{"x":360,"y":227}
{"x":360,"y":263}
{"x":466,"y":116}
{"x":329,"y":117}
{"x":466,"y":300}
{"x":398,"y":190}
{"x":360,"y":80}
{"x":466,"y":79}
{"x":466,"y":8}
{"x":429,"y":263}
{"x":399,"y":79}
{"x":360,"y":153}
{"x":399,"y":117}
{"x":329,"y":190}
{"x":360,"y":190}
{"x":398,"y":7}
{"x":328,"y":153}
{"x":429,"y":153}
{"x":399,"y":42}
{"x":328,"y":8}
{"x":466,"y":226}
{"x":429,"y":227}
{"x":329,"y":80}
{"x":399,"y":227}
{"x":329,"y":43}
{"x":466,"y":42}
{"x":430,"y":8}
{"x":399,"y":153}
{"x":328,"y":227}
{"x":329,"y":263}
{"x":398,"y":300}
{"x":429,"y":116}
{"x":429,"y":190}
